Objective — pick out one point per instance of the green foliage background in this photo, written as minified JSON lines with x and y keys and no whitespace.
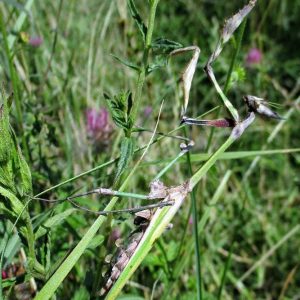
{"x":70,"y":71}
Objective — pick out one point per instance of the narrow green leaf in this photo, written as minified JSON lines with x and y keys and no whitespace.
{"x":127,"y":147}
{"x":12,"y":247}
{"x":26,"y":181}
{"x":160,"y":61}
{"x":15,"y":204}
{"x":129,"y":104}
{"x":6,"y":179}
{"x":138,"y":19}
{"x":126,"y":63}
{"x":227,"y":155}
{"x":23,"y":168}
{"x":164,"y":46}
{"x":6,"y":141}
{"x":53,"y":221}
{"x":13,"y":208}
{"x":118,"y":107}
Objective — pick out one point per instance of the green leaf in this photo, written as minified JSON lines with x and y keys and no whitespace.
{"x":6,"y":179}
{"x":14,"y":170}
{"x":129,"y":106}
{"x":127,"y":148}
{"x":162,"y":48}
{"x":26,"y":181}
{"x":5,"y":137}
{"x":138,"y":19}
{"x":23,"y":168}
{"x":165,"y":46}
{"x":14,"y":204}
{"x":126,"y":62}
{"x":13,"y":208}
{"x":12,"y":248}
{"x":160,"y":61}
{"x":53,"y":221}
{"x":120,"y":106}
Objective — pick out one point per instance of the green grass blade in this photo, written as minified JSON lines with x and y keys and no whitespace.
{"x":228,"y":155}
{"x":19,"y":23}
{"x":196,"y":235}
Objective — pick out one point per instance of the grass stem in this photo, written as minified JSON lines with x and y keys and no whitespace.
{"x":144,"y":65}
{"x":195,"y":229}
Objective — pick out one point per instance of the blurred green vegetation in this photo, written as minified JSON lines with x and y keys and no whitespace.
{"x":68,"y":73}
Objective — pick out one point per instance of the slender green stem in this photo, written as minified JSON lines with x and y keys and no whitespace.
{"x":53,"y":44}
{"x":161,"y":247}
{"x":195,"y":230}
{"x":151,"y":22}
{"x":54,"y":187}
{"x":31,"y":250}
{"x":169,"y":165}
{"x":226,"y":268}
{"x":144,"y":65}
{"x":131,"y":195}
{"x":100,"y":191}
{"x":236,"y":229}
{"x":182,"y":260}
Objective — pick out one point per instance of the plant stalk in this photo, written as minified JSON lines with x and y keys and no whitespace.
{"x":144,"y":65}
{"x":195,"y":229}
